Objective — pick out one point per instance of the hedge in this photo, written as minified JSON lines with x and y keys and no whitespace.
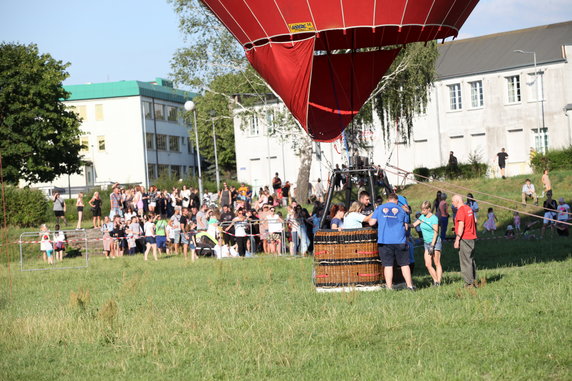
{"x":26,"y":207}
{"x":553,"y":159}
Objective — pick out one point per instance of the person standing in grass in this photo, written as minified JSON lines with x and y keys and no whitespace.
{"x":46,"y":245}
{"x":391,"y":239}
{"x":443,"y":215}
{"x":160,"y":233}
{"x":490,"y":224}
{"x":502,"y":155}
{"x":107,"y":229}
{"x":79,"y":205}
{"x":150,"y":240}
{"x":95,"y":204}
{"x":59,"y":208}
{"x":547,"y":184}
{"x":429,"y":224}
{"x":466,"y":235}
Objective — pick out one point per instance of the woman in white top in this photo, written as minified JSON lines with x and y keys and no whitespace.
{"x":354,"y":218}
{"x":240,"y":224}
{"x":150,"y":241}
{"x":274,"y":223}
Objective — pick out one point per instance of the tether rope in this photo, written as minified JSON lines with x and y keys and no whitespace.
{"x":481,"y":201}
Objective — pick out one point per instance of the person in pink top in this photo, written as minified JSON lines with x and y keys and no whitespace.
{"x":443,"y":215}
{"x":466,"y":235}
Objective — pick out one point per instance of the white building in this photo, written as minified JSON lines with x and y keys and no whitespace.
{"x":132,"y":131}
{"x":488,"y":95}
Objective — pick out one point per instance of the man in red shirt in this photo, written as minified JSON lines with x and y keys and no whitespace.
{"x":466,"y":235}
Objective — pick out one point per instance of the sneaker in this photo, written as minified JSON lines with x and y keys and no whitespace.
{"x":437,"y":284}
{"x":411,"y":288}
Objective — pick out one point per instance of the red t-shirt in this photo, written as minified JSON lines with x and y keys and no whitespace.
{"x":465,"y":214}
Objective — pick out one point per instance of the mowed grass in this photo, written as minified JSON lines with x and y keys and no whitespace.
{"x":261,"y":318}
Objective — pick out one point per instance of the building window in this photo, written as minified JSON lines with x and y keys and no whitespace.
{"x":535,"y":89}
{"x":163,"y":170}
{"x":455,"y":101}
{"x":254,"y":129}
{"x":513,"y":88}
{"x":477,"y":94}
{"x":159,"y":111}
{"x":151,"y":171}
{"x":269,"y":123}
{"x":176,"y":171}
{"x":189,"y":146}
{"x":171,"y":113}
{"x":101,"y":143}
{"x":162,"y":142}
{"x":541,"y":139}
{"x":147,"y":110}
{"x":84,"y":142}
{"x":80,"y":111}
{"x":99,"y":112}
{"x":150,"y":138}
{"x":174,"y":144}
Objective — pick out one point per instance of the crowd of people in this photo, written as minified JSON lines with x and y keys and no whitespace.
{"x":234,"y":223}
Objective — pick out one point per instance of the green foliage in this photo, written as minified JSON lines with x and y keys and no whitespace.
{"x":26,"y":207}
{"x":463,"y":171}
{"x":39,"y":136}
{"x":423,"y":171}
{"x":406,"y":91}
{"x":553,"y":159}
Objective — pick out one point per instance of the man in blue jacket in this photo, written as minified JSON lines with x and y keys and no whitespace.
{"x":392,"y":240}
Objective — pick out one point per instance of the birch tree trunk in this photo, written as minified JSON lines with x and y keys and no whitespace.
{"x":303,"y":181}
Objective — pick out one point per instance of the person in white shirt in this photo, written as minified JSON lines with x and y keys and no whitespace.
{"x":528,"y":191}
{"x":186,"y":196}
{"x":563,"y":210}
{"x":354,"y":218}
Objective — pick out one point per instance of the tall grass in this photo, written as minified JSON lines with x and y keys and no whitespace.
{"x":262,"y":319}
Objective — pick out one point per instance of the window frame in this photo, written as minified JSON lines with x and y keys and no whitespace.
{"x":455,"y":97}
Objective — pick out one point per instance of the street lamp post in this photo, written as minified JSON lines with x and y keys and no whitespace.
{"x":213,"y":113}
{"x":190,"y":106}
{"x":539,"y":111}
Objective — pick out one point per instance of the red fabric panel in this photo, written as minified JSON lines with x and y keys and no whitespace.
{"x":340,"y":85}
{"x":287,"y":68}
{"x":256,"y":20}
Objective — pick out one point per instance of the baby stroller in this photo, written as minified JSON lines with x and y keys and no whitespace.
{"x":205,"y":244}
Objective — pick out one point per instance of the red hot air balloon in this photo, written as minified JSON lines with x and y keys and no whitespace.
{"x":325,"y":57}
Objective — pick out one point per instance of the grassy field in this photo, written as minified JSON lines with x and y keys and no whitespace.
{"x":262,"y":319}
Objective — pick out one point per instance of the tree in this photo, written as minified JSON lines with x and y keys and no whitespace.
{"x":40,"y":138}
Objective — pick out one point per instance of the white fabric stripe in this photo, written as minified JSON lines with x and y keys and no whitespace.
{"x":403,"y":15}
{"x":223,"y":23}
{"x":312,"y":15}
{"x":283,"y":18}
{"x":429,"y":13}
{"x":343,"y":16}
{"x":256,"y":18}
{"x":230,"y":14}
{"x":374,"y":9}
{"x":279,"y":42}
{"x":464,"y":10}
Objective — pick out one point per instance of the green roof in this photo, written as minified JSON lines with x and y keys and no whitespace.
{"x":159,"y":89}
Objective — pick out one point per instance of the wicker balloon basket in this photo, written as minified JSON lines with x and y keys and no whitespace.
{"x":347,"y":260}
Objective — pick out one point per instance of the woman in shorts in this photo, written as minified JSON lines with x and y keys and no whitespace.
{"x":150,"y":240}
{"x":430,"y":228}
{"x":95,"y":204}
{"x":79,"y":205}
{"x":59,"y":208}
{"x":107,"y":229}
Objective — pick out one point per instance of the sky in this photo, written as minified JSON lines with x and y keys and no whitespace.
{"x":114,"y":40}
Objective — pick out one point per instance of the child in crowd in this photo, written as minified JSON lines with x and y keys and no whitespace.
{"x":60,"y":243}
{"x":490,"y":224}
{"x":516,"y":222}
{"x":509,"y":233}
{"x":46,"y":245}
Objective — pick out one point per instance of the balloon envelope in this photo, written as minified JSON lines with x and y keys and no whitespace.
{"x":325,"y":57}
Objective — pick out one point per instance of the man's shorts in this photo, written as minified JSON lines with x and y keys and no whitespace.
{"x":161,"y":241}
{"x":438,"y":245}
{"x":184,"y":239}
{"x":150,"y":240}
{"x":391,"y":254}
{"x":59,"y":213}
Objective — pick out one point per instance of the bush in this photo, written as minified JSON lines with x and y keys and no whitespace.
{"x":422,"y":171}
{"x":26,"y":207}
{"x":463,"y":171}
{"x":553,"y":159}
